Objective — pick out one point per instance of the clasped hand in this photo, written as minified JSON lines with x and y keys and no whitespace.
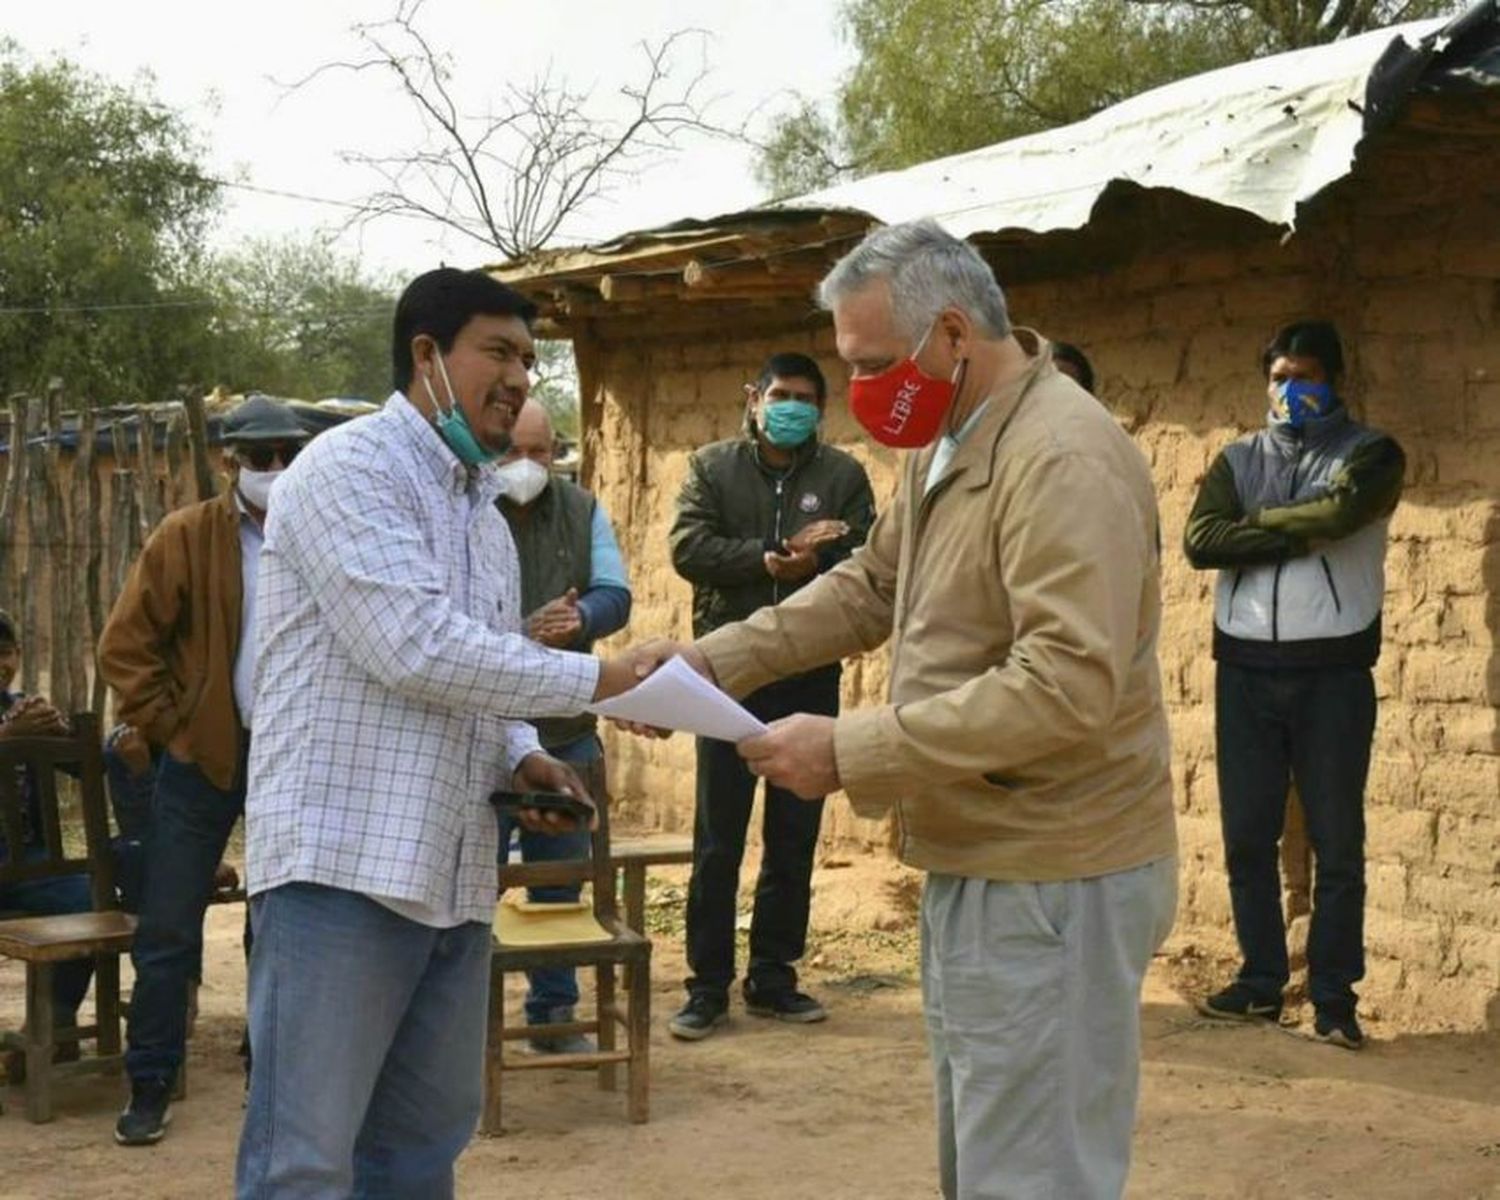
{"x":795,"y":753}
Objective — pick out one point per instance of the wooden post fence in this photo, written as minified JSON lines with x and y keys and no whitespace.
{"x":33,"y":576}
{"x":11,"y":505}
{"x":203,"y":473}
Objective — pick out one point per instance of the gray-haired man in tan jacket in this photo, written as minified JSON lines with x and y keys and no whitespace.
{"x":1024,"y":750}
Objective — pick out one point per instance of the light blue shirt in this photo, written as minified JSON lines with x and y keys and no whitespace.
{"x":607,"y":564}
{"x":948,"y":446}
{"x":252,"y":538}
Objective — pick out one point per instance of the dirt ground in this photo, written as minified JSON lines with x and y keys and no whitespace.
{"x":842,"y":1109}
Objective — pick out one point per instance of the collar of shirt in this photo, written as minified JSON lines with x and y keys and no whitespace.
{"x":247,"y":518}
{"x":948,"y":446}
{"x":435,"y":455}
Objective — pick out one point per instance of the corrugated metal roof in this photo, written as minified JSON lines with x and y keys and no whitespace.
{"x":1263,"y":136}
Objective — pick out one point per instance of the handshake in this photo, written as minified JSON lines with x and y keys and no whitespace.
{"x":619,"y":675}
{"x":796,"y":753}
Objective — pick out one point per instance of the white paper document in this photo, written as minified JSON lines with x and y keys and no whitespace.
{"x":677,"y":697}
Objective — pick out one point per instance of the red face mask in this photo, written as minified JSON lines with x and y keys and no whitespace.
{"x":903,"y":406}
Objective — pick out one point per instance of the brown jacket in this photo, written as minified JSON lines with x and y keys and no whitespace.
{"x":169,"y":645}
{"x":1025,"y":738}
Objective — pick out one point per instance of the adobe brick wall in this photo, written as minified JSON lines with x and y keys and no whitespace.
{"x":1405,"y":258}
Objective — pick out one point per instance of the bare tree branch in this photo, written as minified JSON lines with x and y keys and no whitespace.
{"x":514,"y":176}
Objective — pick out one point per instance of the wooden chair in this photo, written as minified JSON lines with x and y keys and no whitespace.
{"x":41,"y":942}
{"x":617,"y":946}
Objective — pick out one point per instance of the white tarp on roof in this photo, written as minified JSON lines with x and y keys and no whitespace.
{"x":1261,"y":136}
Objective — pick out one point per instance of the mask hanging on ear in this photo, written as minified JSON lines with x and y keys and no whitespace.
{"x":904,"y":407}
{"x":453,"y":427}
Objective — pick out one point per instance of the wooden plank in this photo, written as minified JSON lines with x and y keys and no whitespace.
{"x":39,"y":1035}
{"x":34,"y":575}
{"x":124,"y":528}
{"x":177,"y":432}
{"x":11,"y":505}
{"x":638,"y":1039}
{"x":88,"y":526}
{"x":560,"y":1062}
{"x":59,"y":561}
{"x":617,"y":289}
{"x":203,"y":476}
{"x":494,"y":1054}
{"x":151,"y":513}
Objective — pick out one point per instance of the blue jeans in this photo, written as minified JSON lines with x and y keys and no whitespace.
{"x":1313,"y":726}
{"x":191,"y":821}
{"x":55,"y":897}
{"x":556,"y":987}
{"x":129,"y":795}
{"x":369,"y":1048}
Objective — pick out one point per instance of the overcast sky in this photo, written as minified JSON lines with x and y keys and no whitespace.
{"x":226,"y":66}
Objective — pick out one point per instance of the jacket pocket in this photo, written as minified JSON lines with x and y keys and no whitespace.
{"x":1332,"y":587}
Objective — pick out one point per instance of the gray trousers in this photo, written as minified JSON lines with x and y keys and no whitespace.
{"x":1031,"y":993}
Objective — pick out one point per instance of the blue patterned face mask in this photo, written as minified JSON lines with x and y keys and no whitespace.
{"x":453,"y":427}
{"x":1296,"y":402}
{"x":789,"y":423}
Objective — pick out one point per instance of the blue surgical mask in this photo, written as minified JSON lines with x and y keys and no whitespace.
{"x":453,"y":427}
{"x":789,"y":423}
{"x":1296,"y":402}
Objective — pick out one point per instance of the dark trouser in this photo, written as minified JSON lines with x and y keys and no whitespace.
{"x":55,"y":897}
{"x":191,"y":821}
{"x":789,"y":831}
{"x":1314,"y":726}
{"x":553,"y":988}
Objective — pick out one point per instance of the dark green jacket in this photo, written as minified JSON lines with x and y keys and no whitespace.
{"x":733,"y":508}
{"x":554,"y":544}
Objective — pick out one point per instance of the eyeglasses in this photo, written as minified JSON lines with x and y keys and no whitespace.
{"x":259,"y":456}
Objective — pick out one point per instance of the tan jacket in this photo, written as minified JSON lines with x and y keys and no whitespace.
{"x":169,"y":645}
{"x":1025,"y":738}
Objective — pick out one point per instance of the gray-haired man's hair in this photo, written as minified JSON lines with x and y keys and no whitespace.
{"x":928,"y":270}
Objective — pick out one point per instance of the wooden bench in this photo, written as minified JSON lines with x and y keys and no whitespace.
{"x":630,"y":858}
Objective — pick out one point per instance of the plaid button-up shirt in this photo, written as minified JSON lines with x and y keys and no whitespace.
{"x":390,"y":654}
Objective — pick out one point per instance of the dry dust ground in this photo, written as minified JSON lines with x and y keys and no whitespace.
{"x":842,"y":1109}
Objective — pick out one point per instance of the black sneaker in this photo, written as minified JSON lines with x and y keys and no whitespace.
{"x":145,"y":1119}
{"x":787,"y":1005}
{"x":1341,"y":1031}
{"x":1239,"y":1003}
{"x":698,"y":1017}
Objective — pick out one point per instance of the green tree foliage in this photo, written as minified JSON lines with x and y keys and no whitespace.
{"x":554,"y":384}
{"x":102,"y":211}
{"x":938,"y":77}
{"x":295,"y":318}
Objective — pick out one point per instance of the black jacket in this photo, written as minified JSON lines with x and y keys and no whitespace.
{"x":733,"y":508}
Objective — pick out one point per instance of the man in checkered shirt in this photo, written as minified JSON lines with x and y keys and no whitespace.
{"x":392,"y":689}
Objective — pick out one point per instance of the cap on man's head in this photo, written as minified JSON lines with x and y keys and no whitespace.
{"x":8,"y":629}
{"x":261,"y":419}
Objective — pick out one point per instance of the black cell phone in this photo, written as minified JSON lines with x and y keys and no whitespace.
{"x":558,"y":802}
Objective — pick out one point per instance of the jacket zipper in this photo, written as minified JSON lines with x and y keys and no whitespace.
{"x":776,"y":533}
{"x":1276,"y":582}
{"x":1332,"y":587}
{"x":1239,"y":578}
